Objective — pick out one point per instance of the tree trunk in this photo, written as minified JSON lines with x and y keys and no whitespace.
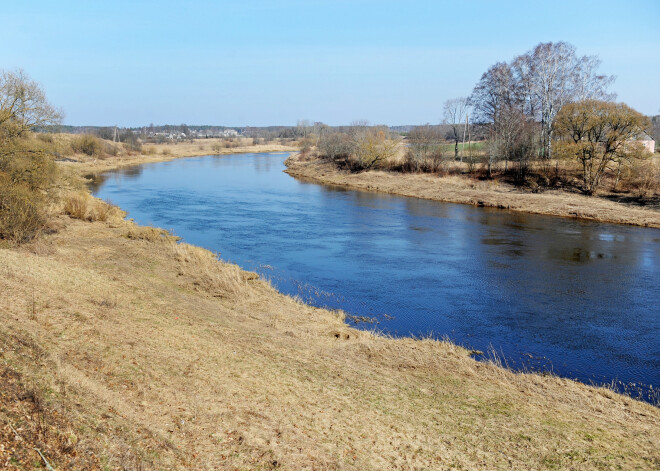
{"x":618,"y":175}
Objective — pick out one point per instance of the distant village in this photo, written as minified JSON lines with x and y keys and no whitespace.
{"x":191,"y":134}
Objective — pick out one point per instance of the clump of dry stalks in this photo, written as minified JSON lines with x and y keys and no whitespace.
{"x":206,"y":273}
{"x":86,"y":208}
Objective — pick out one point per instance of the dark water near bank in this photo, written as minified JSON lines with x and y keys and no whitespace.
{"x":581,"y":299}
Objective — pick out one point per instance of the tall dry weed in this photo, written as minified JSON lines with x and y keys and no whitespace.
{"x":149,"y":234}
{"x":643,"y":179}
{"x":149,"y":150}
{"x":86,"y":208}
{"x":206,"y":273}
{"x":76,"y":206}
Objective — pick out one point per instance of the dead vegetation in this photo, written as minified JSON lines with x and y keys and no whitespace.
{"x":147,"y":354}
{"x":496,"y":193}
{"x":202,"y":270}
{"x":106,"y":155}
{"x":80,"y":205}
{"x":121,"y":348}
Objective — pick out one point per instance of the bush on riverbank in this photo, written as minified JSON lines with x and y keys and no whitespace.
{"x":22,"y":213}
{"x":27,"y":172}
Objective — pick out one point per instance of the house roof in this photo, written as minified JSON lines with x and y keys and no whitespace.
{"x":644,"y":136}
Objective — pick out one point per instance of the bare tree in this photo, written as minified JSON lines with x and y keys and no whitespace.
{"x":454,"y":114}
{"x":320,"y":129}
{"x":496,"y":91}
{"x":537,"y":84}
{"x":557,"y":76}
{"x":497,"y":101}
{"x":303,"y":127}
{"x":424,"y":145}
{"x":23,"y":104}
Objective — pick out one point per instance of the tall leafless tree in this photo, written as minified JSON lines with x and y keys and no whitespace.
{"x":557,"y":76}
{"x":454,"y":115}
{"x":23,"y":104}
{"x":424,"y":146}
{"x":537,"y":84}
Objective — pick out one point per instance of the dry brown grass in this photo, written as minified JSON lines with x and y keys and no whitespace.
{"x":201,"y":269}
{"x":127,"y":340}
{"x":83,"y":163}
{"x":75,"y":205}
{"x":461,"y":189}
{"x":148,"y":233}
{"x":80,"y":205}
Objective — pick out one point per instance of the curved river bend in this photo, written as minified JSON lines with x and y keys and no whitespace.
{"x":581,"y":299}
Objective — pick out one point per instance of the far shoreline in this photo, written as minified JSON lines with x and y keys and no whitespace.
{"x":453,"y":189}
{"x":461,"y":190}
{"x":87,"y":166}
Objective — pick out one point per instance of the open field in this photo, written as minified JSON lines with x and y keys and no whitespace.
{"x":462,"y":189}
{"x":120,"y":349}
{"x":477,"y":147}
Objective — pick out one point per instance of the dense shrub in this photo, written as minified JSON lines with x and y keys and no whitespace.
{"x":22,"y":213}
{"x":111,"y":149}
{"x":28,"y":166}
{"x":87,"y":144}
{"x":335,"y":146}
{"x":642,"y":179}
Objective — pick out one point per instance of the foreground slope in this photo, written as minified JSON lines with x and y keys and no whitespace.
{"x":122,"y":349}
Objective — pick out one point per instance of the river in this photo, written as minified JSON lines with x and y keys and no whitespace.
{"x":577,"y":298}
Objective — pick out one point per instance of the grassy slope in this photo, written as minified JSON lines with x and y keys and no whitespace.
{"x":457,"y":189}
{"x":145,"y":354}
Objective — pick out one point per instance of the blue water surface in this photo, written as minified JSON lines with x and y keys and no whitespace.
{"x":580,"y":299}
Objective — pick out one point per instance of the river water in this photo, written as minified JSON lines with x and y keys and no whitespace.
{"x":580,"y":299}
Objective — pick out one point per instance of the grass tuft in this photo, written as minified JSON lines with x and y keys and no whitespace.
{"x":76,"y":206}
{"x":206,"y":273}
{"x":149,"y":234}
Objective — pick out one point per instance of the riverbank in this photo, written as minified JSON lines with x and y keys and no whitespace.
{"x":126,"y":350}
{"x":459,"y":189}
{"x":83,"y":164}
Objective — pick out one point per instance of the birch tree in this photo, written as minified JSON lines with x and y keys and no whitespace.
{"x":496,"y":100}
{"x":555,"y":76}
{"x":454,"y":114}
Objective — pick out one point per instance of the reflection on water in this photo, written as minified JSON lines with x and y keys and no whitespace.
{"x":96,"y":180}
{"x":578,"y":298}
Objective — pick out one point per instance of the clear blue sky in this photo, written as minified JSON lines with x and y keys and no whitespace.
{"x":264,"y":63}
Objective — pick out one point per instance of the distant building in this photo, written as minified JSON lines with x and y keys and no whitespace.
{"x":647,"y":141}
